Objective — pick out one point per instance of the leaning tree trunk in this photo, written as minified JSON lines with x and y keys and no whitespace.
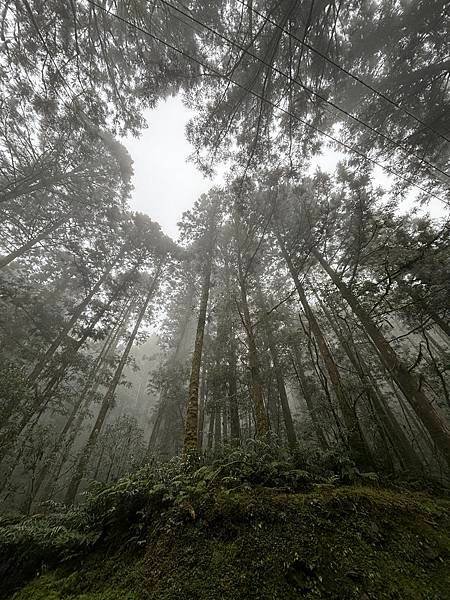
{"x":39,"y":184}
{"x":78,"y":311}
{"x":109,"y":397}
{"x":68,"y":356}
{"x":386,"y":417}
{"x":41,"y":399}
{"x":406,"y":381}
{"x":287,"y":415}
{"x":415,"y":296}
{"x":356,"y":442}
{"x":5,"y":260}
{"x":83,"y":399}
{"x":310,"y":402}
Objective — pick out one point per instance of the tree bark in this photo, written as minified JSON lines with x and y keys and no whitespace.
{"x":287,"y":415}
{"x":191,"y":425}
{"x":109,"y":396}
{"x":261,"y":420}
{"x":84,"y":397}
{"x":382,"y":409}
{"x":217,"y":426}
{"x":357,"y":445}
{"x":5,"y":260}
{"x":235,"y":426}
{"x":310,"y":403}
{"x":79,"y":309}
{"x":406,"y":381}
{"x":202,"y":405}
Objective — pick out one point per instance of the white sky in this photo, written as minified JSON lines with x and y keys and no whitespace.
{"x":166,"y":184}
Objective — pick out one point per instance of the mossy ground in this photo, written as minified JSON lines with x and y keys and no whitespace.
{"x":331,"y":542}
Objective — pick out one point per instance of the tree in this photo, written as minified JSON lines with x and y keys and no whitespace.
{"x":210,"y":210}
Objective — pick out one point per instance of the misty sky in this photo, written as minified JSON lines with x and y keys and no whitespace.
{"x":166,"y":183}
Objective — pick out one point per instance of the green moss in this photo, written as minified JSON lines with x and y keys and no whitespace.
{"x":332,"y":542}
{"x":118,"y":577}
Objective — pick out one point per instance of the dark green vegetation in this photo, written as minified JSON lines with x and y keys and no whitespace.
{"x":253,"y":524}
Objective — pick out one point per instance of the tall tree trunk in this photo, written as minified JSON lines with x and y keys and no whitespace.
{"x":406,"y":381}
{"x":84,"y":397}
{"x":217,"y":426}
{"x":212,"y":420}
{"x":191,"y":425}
{"x":357,"y":445}
{"x":225,"y":422}
{"x":163,"y":403}
{"x":202,"y":405}
{"x":310,"y":402}
{"x":109,"y":396}
{"x":261,"y":420}
{"x":156,"y":426}
{"x":78,"y":311}
{"x":5,"y":260}
{"x":68,"y":356}
{"x":382,"y":409}
{"x":287,"y":415}
{"x":235,"y":426}
{"x":415,"y":296}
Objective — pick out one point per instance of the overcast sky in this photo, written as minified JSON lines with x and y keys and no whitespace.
{"x":166,"y":184}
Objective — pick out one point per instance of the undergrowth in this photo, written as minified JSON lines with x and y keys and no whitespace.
{"x":248,"y":500}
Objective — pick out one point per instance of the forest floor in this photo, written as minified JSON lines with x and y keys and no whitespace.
{"x":252,"y":541}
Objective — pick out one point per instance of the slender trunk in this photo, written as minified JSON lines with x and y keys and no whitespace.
{"x":163,"y":403}
{"x":5,"y":260}
{"x":73,"y":350}
{"x":99,"y":463}
{"x":382,"y":409}
{"x":310,"y":403}
{"x":25,"y":421}
{"x":111,"y":464}
{"x":212,"y":419}
{"x":357,"y":446}
{"x":41,"y":364}
{"x":109,"y":396}
{"x":84,"y":397}
{"x":203,"y":400}
{"x":225,"y":422}
{"x":191,"y":424}
{"x":261,"y":420}
{"x":36,"y":186}
{"x":235,"y":426}
{"x":156,"y":426}
{"x":218,"y":428}
{"x":287,"y":415}
{"x":415,"y":296}
{"x":406,"y":381}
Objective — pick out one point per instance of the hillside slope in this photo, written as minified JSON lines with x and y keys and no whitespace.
{"x":211,"y":535}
